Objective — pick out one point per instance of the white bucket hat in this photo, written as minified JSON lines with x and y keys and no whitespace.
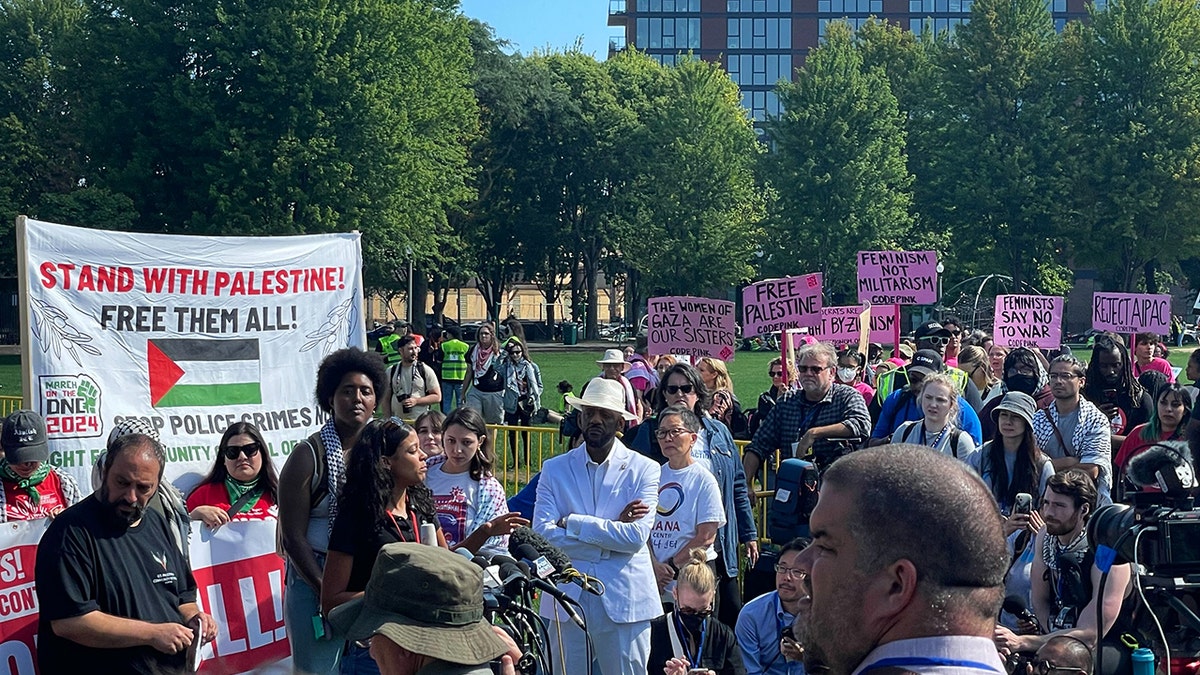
{"x":603,"y":394}
{"x":614,"y":357}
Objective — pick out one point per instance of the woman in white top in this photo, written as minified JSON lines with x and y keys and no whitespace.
{"x":939,"y":402}
{"x":689,"y":501}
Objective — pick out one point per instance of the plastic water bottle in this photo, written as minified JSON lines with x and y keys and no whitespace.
{"x":429,"y":538}
{"x":1143,"y":661}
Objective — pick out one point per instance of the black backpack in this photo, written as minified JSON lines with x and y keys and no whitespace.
{"x":797,"y":486}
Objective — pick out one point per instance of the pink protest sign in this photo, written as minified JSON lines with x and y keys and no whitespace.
{"x":840,"y":324}
{"x":897,"y":277}
{"x":1028,"y":321}
{"x":692,"y":326}
{"x":780,"y":304}
{"x":1132,"y":313}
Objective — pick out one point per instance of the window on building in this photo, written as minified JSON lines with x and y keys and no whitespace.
{"x":677,"y":33}
{"x":758,"y":69}
{"x":765,"y":6}
{"x":668,"y":6}
{"x":759,"y":33}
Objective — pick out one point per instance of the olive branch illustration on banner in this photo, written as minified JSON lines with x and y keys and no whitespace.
{"x":53,"y":330}
{"x":329,"y":334}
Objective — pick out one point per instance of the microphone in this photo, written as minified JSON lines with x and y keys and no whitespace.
{"x":523,"y":539}
{"x":540,"y":563}
{"x":1165,"y":466}
{"x":1015,"y":605}
{"x":519,"y":573}
{"x":523,"y":536}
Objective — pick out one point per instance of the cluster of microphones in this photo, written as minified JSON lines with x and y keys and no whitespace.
{"x":533,"y":564}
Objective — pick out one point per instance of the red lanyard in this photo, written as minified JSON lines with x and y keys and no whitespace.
{"x":400,"y":533}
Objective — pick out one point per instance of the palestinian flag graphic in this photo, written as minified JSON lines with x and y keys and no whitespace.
{"x":195,"y":372}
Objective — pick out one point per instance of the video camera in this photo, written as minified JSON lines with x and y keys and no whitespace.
{"x":1161,"y":529}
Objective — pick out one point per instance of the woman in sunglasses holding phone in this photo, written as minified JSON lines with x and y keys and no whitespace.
{"x":690,"y":638}
{"x":242,"y":484}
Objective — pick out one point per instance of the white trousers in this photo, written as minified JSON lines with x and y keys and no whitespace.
{"x":619,"y":648}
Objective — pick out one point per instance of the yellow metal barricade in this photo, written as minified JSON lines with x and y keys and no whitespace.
{"x":760,"y":497}
{"x":8,"y":404}
{"x":520,"y":451}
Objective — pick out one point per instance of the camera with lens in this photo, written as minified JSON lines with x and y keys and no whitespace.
{"x":1161,"y":529}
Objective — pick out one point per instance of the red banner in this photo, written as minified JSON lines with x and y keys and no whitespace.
{"x":18,"y":601}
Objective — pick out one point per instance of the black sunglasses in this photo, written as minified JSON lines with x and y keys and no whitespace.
{"x":689,"y":611}
{"x":677,"y":388}
{"x":776,"y":373}
{"x":234,"y":451}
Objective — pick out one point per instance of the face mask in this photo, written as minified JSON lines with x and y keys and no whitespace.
{"x":693,"y":623}
{"x":1026,"y":384}
{"x":847,"y":374}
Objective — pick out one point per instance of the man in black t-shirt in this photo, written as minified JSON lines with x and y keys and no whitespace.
{"x":115,"y":593}
{"x":1111,"y":387}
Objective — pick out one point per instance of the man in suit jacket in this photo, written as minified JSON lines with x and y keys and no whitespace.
{"x":597,"y":503}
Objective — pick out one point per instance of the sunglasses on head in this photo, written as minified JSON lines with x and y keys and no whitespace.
{"x":235,"y":451}
{"x":679,"y":388}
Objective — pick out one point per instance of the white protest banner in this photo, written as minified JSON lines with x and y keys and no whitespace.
{"x":1028,"y":321}
{"x":18,"y":600}
{"x":692,"y":326}
{"x":897,"y":277}
{"x":773,"y":305}
{"x":239,"y":581}
{"x":841,"y":324}
{"x":1132,"y":313}
{"x":189,"y":333}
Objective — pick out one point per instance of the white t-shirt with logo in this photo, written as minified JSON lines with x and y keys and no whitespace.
{"x":686,"y":498}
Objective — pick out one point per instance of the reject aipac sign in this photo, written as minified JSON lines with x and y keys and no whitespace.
{"x":189,"y":333}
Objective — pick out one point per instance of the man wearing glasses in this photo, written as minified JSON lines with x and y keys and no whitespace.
{"x":1072,"y":431}
{"x":764,"y":628}
{"x":804,"y":421}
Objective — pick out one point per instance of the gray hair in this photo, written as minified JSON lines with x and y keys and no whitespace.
{"x":818,"y":350}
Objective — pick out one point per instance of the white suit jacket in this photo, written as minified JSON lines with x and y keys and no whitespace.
{"x":597,"y":542}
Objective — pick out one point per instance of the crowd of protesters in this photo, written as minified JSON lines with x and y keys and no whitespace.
{"x":654,"y":500}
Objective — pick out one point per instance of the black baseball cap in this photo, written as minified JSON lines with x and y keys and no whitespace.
{"x":926,"y":362}
{"x":931,"y":329}
{"x":24,"y":438}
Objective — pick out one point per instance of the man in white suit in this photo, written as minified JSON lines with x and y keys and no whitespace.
{"x":597,"y":503}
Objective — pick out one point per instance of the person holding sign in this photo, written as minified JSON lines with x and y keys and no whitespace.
{"x":803,"y":421}
{"x":1111,"y":387}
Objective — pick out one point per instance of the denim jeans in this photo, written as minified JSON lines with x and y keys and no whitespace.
{"x":452,"y":396}
{"x":301,"y":603}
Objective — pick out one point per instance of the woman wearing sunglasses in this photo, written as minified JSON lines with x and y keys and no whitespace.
{"x":690,"y":638}
{"x":242,"y":484}
{"x":385,"y":501}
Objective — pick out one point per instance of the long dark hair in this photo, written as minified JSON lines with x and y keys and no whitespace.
{"x":267,"y":478}
{"x":1027,"y":469}
{"x":1093,"y":387}
{"x":693,"y":377}
{"x":368,"y":490}
{"x":472,"y":420}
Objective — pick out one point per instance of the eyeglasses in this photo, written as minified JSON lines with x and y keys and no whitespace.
{"x":673,"y":389}
{"x":939,"y":340}
{"x":776,"y":373}
{"x":790,"y":572}
{"x":1063,"y":376}
{"x":955,"y":333}
{"x":514,"y":352}
{"x":1044,"y":667}
{"x":691,"y":611}
{"x":670,"y":434}
{"x":234,"y":451}
{"x":812,"y":370}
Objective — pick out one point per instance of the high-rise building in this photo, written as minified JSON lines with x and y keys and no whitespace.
{"x":761,"y":41}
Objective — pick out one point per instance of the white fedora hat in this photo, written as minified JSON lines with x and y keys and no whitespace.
{"x":603,"y":394}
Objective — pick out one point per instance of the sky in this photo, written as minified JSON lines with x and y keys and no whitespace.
{"x":536,"y":24}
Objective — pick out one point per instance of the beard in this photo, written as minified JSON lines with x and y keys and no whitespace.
{"x":114,"y":512}
{"x":1058,"y":529}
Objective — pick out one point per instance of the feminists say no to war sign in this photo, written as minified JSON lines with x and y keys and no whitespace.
{"x":1028,"y":321}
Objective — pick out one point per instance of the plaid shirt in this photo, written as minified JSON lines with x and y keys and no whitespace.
{"x":70,"y":492}
{"x":793,"y":415}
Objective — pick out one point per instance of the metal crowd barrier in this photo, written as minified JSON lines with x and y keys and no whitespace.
{"x":8,"y":404}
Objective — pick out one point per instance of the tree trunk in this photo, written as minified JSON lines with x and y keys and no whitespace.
{"x":420,"y":296}
{"x":593,"y":300}
{"x":441,"y":293}
{"x":1149,"y":270}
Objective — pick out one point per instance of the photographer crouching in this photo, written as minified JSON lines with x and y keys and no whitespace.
{"x":422,"y":613}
